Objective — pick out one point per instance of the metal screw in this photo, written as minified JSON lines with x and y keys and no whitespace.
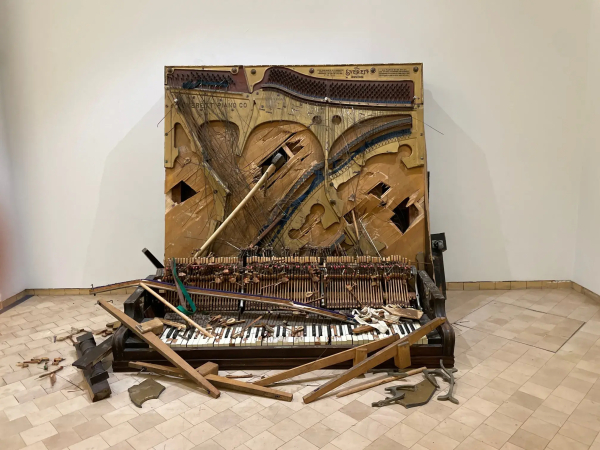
{"x":372,"y":69}
{"x":311,"y":70}
{"x":415,"y":69}
{"x":253,"y":71}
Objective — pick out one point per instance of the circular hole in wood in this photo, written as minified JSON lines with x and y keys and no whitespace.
{"x":336,"y":120}
{"x":317,"y":120}
{"x":405,"y":150}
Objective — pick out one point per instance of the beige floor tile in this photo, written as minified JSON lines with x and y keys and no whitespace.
{"x":20,"y":410}
{"x":255,"y":425}
{"x":307,"y":417}
{"x":50,"y":400}
{"x":540,"y":428}
{"x":118,"y":434}
{"x":349,"y":440}
{"x":68,"y":421}
{"x":515,"y":411}
{"x":436,"y":441}
{"x":276,"y":412}
{"x":421,"y":422}
{"x":175,"y":443}
{"x":577,"y":432}
{"x":147,"y":420}
{"x":172,"y":409}
{"x":490,"y":435}
{"x":503,"y":423}
{"x":298,"y":443}
{"x":92,"y":428}
{"x":483,"y":407}
{"x":198,"y":414}
{"x":387,"y":416}
{"x":173,"y":426}
{"x":339,"y":421}
{"x":264,"y":441}
{"x":121,"y":415}
{"x":468,"y":417}
{"x":12,"y":442}
{"x":61,"y":440}
{"x":560,"y":442}
{"x":152,"y":437}
{"x":528,"y":440}
{"x":75,"y":404}
{"x":551,"y":416}
{"x":405,"y":435}
{"x":357,"y":410}
{"x":232,"y":438}
{"x":212,"y":445}
{"x":246,"y":408}
{"x":39,"y":433}
{"x":560,"y":404}
{"x":473,"y":444}
{"x":287,"y":429}
{"x":93,"y":443}
{"x":319,"y":435}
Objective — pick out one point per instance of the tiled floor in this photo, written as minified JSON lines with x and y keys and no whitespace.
{"x":529,"y":364}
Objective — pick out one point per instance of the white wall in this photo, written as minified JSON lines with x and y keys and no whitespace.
{"x":13,"y":272}
{"x":587,"y":264}
{"x":504,"y":82}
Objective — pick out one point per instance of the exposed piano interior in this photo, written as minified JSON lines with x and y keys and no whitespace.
{"x":304,"y":183}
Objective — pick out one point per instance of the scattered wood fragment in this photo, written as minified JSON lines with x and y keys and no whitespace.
{"x":208,"y":370}
{"x":363,"y":329}
{"x":155,"y":326}
{"x":44,"y":375}
{"x":37,"y":360}
{"x":328,"y":361}
{"x":399,"y":350}
{"x":154,"y":341}
{"x":379,"y":382}
{"x":114,"y":325}
{"x":170,"y":323}
{"x":407,"y":313}
{"x":238,"y":376}
{"x":57,"y":361}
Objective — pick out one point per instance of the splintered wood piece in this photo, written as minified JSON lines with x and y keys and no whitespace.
{"x":204,"y":369}
{"x":208,"y":370}
{"x":170,"y":323}
{"x":363,"y":329}
{"x":176,"y":311}
{"x":408,"y":313}
{"x":379,"y":382}
{"x":154,"y":341}
{"x":49,"y":374}
{"x":402,"y":356}
{"x":155,"y":326}
{"x":328,"y":361}
{"x":381,"y":356}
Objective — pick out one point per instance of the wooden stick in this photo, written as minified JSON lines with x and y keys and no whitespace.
{"x":154,"y":341}
{"x":176,"y":311}
{"x":219,"y":381}
{"x":366,"y":386}
{"x":277,"y":301}
{"x":381,"y":356}
{"x":272,"y":168}
{"x":329,"y":361}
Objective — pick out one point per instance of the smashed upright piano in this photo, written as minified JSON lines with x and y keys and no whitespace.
{"x":303,"y":183}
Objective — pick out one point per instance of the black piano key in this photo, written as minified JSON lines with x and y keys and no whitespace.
{"x":176,"y":333}
{"x":170,"y":333}
{"x":410,"y":326}
{"x":190,"y":334}
{"x":283,"y":330}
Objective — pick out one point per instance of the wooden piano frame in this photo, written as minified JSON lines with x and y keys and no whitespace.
{"x":140,"y":305}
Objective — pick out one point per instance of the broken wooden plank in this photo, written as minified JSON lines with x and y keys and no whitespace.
{"x":328,"y":361}
{"x":94,"y":374}
{"x":154,"y":341}
{"x":204,"y":369}
{"x":379,"y":382}
{"x":208,"y":370}
{"x":381,"y":356}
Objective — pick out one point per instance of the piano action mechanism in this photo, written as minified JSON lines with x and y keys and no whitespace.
{"x":304,"y":183}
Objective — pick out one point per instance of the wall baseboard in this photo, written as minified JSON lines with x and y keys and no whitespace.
{"x":509,"y":285}
{"x":452,"y":286}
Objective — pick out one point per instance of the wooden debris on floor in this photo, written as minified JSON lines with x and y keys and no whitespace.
{"x":399,"y":350}
{"x":208,"y":370}
{"x":94,"y":374}
{"x":154,"y":341}
{"x":146,"y":390}
{"x":379,"y":382}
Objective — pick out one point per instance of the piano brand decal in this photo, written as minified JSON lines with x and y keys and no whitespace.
{"x":357,"y":72}
{"x":219,"y":103}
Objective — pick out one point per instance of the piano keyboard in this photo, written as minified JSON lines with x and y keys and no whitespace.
{"x":311,"y":334}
